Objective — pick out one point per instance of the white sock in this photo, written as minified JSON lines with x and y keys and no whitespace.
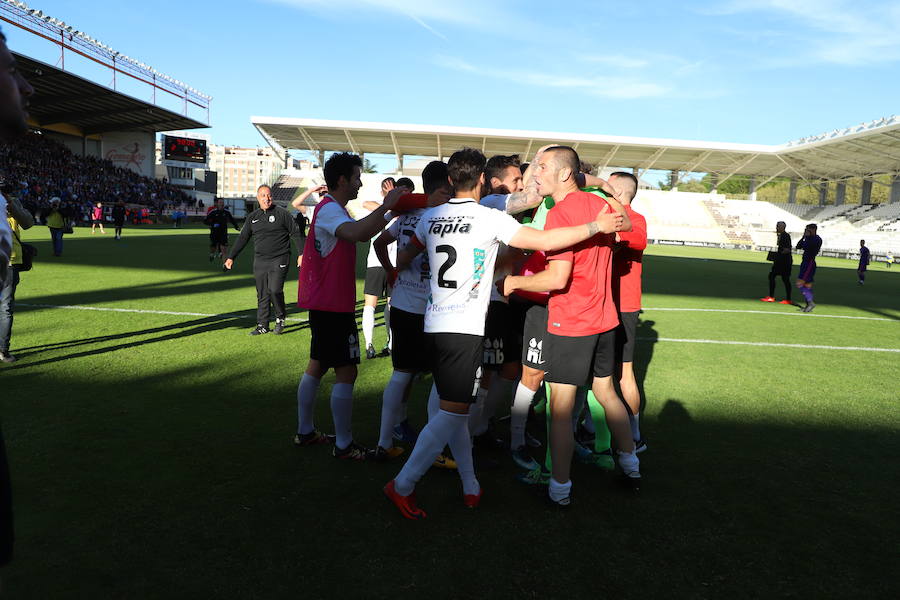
{"x":432,"y":439}
{"x":306,"y":401}
{"x":630,"y":463}
{"x":559,"y":491}
{"x":461,"y":447}
{"x":636,"y":426}
{"x":475,"y":412}
{"x":368,"y":323}
{"x":342,"y":413}
{"x":434,"y":402}
{"x":518,"y":416}
{"x":390,"y":407}
{"x":498,"y":394}
{"x":580,"y":401}
{"x":387,"y":324}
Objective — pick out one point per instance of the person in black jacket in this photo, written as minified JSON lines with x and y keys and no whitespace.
{"x":118,"y":216}
{"x":272,"y":229}
{"x":781,"y":266}
{"x":217,"y":220}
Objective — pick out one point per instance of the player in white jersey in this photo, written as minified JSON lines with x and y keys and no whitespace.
{"x":376,"y":285}
{"x":503,"y":326}
{"x":410,"y":294}
{"x":462,"y":239}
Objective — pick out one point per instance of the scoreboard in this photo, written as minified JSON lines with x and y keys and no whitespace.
{"x":184,"y":150}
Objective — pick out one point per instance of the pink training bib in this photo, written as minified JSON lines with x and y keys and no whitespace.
{"x":327,"y":283}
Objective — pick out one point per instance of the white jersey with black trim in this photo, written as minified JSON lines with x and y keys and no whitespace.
{"x":412,"y":285}
{"x":462,"y":238}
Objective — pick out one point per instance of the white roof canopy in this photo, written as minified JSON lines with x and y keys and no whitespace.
{"x":861,"y":151}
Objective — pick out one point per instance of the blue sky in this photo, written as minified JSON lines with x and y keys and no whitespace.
{"x":752,"y":71}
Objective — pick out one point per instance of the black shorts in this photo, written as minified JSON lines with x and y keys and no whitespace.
{"x":408,"y":341}
{"x":625,"y":333}
{"x":455,"y":360}
{"x":780,"y":266}
{"x":577,"y":360}
{"x":534,"y":335}
{"x":376,"y":283}
{"x":335,"y":339}
{"x":97,"y":221}
{"x":502,"y":336}
{"x":218,"y":237}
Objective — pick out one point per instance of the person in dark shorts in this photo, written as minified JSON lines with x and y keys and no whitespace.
{"x":460,"y":292}
{"x":118,"y":217}
{"x":627,"y":271}
{"x":217,"y":219}
{"x":410,"y":295}
{"x":581,"y":317}
{"x":781,"y":266}
{"x":863,"y":262}
{"x":272,"y":229}
{"x":811,"y":244}
{"x":327,"y":289}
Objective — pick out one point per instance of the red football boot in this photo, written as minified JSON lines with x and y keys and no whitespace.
{"x":405,"y":504}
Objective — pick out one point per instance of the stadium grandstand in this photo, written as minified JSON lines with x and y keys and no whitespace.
{"x":861,"y":155}
{"x":91,"y":142}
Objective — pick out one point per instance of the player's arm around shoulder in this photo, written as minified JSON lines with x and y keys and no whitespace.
{"x":558,"y":235}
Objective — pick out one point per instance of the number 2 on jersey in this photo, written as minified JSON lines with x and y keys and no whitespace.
{"x":450,"y":251}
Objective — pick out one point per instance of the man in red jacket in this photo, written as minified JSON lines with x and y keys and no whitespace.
{"x":626,"y":283}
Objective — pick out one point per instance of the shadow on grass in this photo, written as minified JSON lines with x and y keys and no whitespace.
{"x":171,"y":332}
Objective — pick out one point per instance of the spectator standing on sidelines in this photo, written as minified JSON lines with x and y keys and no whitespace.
{"x":863,"y":261}
{"x":14,"y":94}
{"x":56,"y":223}
{"x":781,"y":266}
{"x":97,"y":218}
{"x":18,"y":219}
{"x":272,"y":229}
{"x":118,"y":216}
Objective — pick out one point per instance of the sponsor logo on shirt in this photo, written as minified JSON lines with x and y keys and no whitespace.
{"x":447,"y":307}
{"x":441,"y":226}
{"x":255,"y":221}
{"x":271,"y":218}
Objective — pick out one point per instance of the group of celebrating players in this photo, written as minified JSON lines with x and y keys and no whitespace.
{"x":501,"y":273}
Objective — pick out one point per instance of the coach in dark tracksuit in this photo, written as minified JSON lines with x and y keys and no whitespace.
{"x":272,"y":229}
{"x":781,"y":266}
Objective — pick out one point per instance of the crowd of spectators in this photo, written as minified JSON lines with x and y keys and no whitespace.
{"x":36,"y":169}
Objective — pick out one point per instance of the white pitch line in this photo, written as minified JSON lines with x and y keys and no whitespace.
{"x":766,"y":312}
{"x":768,"y":344}
{"x":683,"y":340}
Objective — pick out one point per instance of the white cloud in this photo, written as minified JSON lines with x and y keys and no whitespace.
{"x":468,"y":13}
{"x":838,"y":31}
{"x":613,"y":87}
{"x":616,"y":60}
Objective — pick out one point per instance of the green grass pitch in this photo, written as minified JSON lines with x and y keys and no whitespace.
{"x":151,"y":453}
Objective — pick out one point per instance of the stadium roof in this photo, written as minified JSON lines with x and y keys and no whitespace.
{"x":861,"y":151}
{"x":62,"y":97}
